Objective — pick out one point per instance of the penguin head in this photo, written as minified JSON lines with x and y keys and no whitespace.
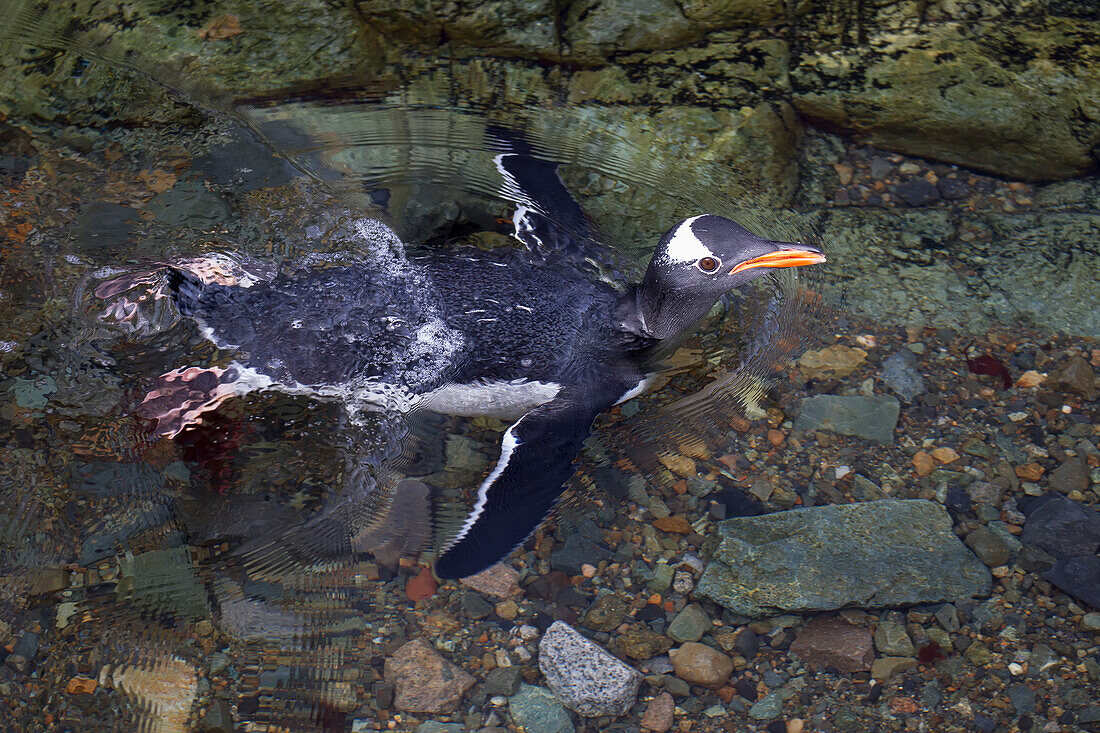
{"x":699,"y":260}
{"x":711,"y":254}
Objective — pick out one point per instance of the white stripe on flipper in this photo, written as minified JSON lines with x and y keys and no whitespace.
{"x":507,"y":444}
{"x":511,"y":189}
{"x":684,"y":246}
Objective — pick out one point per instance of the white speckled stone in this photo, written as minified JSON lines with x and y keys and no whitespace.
{"x":584,"y":676}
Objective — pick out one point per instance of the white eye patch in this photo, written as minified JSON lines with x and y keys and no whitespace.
{"x":684,"y":246}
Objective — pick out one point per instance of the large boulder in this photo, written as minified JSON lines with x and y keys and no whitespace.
{"x":1019,"y":99}
{"x":873,"y":554}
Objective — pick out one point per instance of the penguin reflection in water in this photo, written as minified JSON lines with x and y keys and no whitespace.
{"x":531,"y":340}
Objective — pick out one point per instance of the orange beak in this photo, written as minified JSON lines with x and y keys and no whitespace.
{"x":782,"y":258}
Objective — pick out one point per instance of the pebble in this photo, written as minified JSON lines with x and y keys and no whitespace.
{"x":421,"y":586}
{"x":689,"y":625}
{"x":990,"y":548}
{"x":768,"y":707}
{"x":1091,"y":621}
{"x":641,"y":642}
{"x":900,"y":373}
{"x":425,"y":682}
{"x":830,"y":641}
{"x":218,"y":718}
{"x":886,"y":668}
{"x":945,"y":455}
{"x":499,"y":581}
{"x":502,"y":681}
{"x":1071,"y":475}
{"x":538,"y":711}
{"x":892,"y":639}
{"x":606,"y":612}
{"x":1074,"y":376}
{"x":831,"y":362}
{"x":585,"y":676}
{"x":699,"y":664}
{"x":474,"y":606}
{"x":658,"y":716}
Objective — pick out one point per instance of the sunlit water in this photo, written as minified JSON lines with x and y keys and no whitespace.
{"x":130,"y":559}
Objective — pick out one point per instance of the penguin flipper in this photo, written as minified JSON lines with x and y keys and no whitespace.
{"x":536,"y":459}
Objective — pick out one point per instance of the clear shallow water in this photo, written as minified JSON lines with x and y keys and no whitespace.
{"x":132,"y":560}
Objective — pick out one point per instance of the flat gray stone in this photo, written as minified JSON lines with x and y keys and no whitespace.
{"x":902,"y":375}
{"x":584,"y":676}
{"x":874,"y":554}
{"x":873,"y":418}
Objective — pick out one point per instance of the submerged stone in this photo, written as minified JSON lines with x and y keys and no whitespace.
{"x":869,"y":555}
{"x":873,"y":418}
{"x":585,"y":676}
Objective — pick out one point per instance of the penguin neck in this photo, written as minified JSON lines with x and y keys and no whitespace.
{"x":657,"y":310}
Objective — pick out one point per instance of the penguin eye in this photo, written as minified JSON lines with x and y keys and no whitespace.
{"x":708,"y":264}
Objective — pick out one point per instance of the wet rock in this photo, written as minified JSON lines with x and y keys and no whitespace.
{"x":871,"y":554}
{"x":892,"y":639}
{"x":503,"y":681}
{"x":886,"y":668}
{"x":1063,"y":527}
{"x":1071,"y":475}
{"x":873,"y":418}
{"x":830,"y":641}
{"x":424,"y":681}
{"x":988,"y":546}
{"x":606,"y":612}
{"x":1075,"y":376}
{"x":499,"y":581}
{"x":1022,"y":698}
{"x":983,"y":493}
{"x":658,"y":715}
{"x":699,"y":664}
{"x":689,"y":625}
{"x":1079,"y":576}
{"x":889,"y":89}
{"x":218,"y":718}
{"x":917,"y":192}
{"x":433,"y":726}
{"x":831,"y":362}
{"x":474,"y":606}
{"x":575,"y":552}
{"x":538,"y":711}
{"x":901,"y":374}
{"x":641,"y":642}
{"x":768,"y":707}
{"x":584,"y":676}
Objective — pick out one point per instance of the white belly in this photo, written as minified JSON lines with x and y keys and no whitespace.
{"x":504,"y":400}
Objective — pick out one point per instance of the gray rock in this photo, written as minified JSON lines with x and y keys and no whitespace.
{"x":689,"y":625}
{"x":1079,"y":576}
{"x":474,"y":606}
{"x":1063,"y":527}
{"x":871,"y":555}
{"x":585,"y":676}
{"x":575,"y":552}
{"x":1071,"y":475}
{"x":988,"y":546}
{"x":892,"y":639}
{"x":218,"y":718}
{"x":900,"y":373}
{"x":983,"y":493}
{"x":502,"y":681}
{"x":538,"y":711}
{"x":1022,"y":698}
{"x":873,"y":418}
{"x":768,"y":707}
{"x":434,"y":726}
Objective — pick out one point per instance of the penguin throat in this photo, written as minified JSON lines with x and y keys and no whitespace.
{"x":655,"y":310}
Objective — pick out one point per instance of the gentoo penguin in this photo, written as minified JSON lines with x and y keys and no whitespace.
{"x":533,"y":340}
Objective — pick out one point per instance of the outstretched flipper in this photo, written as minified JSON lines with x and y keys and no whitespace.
{"x":547,"y":217}
{"x":536,"y":459}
